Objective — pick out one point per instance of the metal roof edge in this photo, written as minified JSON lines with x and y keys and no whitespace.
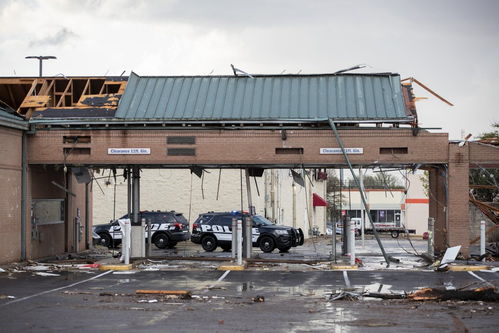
{"x":63,"y":121}
{"x":263,"y":75}
{"x":13,"y":123}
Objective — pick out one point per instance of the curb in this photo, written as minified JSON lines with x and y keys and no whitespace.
{"x":467,"y":268}
{"x":231,"y":268}
{"x":117,"y":267}
{"x":344,"y":267}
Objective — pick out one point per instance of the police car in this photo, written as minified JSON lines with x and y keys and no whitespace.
{"x":215,"y":229}
{"x":167,"y":229}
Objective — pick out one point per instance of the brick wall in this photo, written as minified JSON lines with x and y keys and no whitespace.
{"x":237,"y":147}
{"x":458,"y":231}
{"x":438,"y":206}
{"x":10,"y":195}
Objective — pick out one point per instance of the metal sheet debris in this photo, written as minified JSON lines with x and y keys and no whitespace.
{"x":450,"y":254}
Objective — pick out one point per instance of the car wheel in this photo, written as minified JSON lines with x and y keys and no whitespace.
{"x":162,"y":241}
{"x":284,"y":249}
{"x":209,"y":243}
{"x":106,"y":240}
{"x":267,"y":244}
{"x":395,"y":234}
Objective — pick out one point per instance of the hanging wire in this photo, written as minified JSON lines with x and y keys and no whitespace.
{"x":314,"y":239}
{"x":256,"y":185}
{"x":202,"y":184}
{"x":190,"y":200}
{"x":218,"y":186}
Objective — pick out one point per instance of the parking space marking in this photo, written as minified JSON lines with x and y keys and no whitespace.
{"x":480,"y":278}
{"x":56,"y":289}
{"x":223,"y":276}
{"x":219,"y":279}
{"x":347,"y":280}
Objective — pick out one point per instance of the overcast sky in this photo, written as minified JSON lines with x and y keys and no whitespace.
{"x":451,"y":46}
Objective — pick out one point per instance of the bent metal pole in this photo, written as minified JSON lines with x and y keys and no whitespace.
{"x":362,"y":196}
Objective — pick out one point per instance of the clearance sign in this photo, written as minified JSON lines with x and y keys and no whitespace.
{"x":129,"y":151}
{"x":336,"y":151}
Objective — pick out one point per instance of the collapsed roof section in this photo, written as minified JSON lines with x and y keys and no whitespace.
{"x":261,"y":100}
{"x":347,"y":98}
{"x":62,"y":97}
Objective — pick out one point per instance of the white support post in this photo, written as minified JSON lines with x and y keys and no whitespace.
{"x":351,"y":241}
{"x":125,"y":246}
{"x":234,"y":237}
{"x":482,"y":238}
{"x":431,"y":227}
{"x":239,"y":242}
{"x":362,"y":211}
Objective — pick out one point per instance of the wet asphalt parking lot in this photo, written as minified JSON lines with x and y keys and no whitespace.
{"x":224,"y":301}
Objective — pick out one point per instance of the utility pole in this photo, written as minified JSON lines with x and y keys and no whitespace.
{"x":40,"y":59}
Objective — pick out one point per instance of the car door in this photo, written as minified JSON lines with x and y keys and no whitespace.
{"x":224,"y":228}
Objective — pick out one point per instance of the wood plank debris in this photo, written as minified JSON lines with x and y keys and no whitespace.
{"x":486,"y":294}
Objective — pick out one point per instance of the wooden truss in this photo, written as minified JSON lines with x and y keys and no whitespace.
{"x":28,"y":95}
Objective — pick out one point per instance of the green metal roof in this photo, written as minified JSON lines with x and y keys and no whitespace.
{"x":12,"y":121}
{"x":342,"y":97}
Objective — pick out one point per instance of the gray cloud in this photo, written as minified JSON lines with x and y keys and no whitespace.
{"x":457,"y":16}
{"x":59,"y":38}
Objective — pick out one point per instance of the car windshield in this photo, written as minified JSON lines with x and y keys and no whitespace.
{"x":258,"y":219}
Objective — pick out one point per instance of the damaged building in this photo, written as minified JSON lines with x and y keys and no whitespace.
{"x":56,"y":131}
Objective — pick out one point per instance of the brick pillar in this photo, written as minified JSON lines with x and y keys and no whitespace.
{"x":438,"y":206}
{"x":458,"y":231}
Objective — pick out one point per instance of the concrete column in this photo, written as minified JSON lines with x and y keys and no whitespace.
{"x":137,"y":245}
{"x":458,"y":221}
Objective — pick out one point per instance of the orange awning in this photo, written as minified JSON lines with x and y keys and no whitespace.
{"x":318,"y":201}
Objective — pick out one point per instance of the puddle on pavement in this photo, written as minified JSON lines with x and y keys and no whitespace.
{"x":250,"y":287}
{"x":71,"y":276}
{"x":377,"y":288}
{"x":121,"y":281}
{"x":337,"y":319}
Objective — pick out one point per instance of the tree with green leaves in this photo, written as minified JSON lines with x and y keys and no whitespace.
{"x":482,"y":176}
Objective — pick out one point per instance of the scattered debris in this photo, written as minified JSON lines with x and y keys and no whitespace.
{"x":148,"y":301}
{"x":6,"y":297}
{"x":385,"y":296}
{"x":486,"y":294}
{"x":259,"y":299}
{"x":46,"y":274}
{"x":108,"y":294}
{"x":205,"y":298}
{"x":449,"y":286}
{"x":359,"y":262}
{"x":70,"y":292}
{"x":450,"y":254}
{"x":492,"y":249}
{"x":345,"y":295}
{"x":124,"y":272}
{"x":180,"y":293}
{"x":2,"y":270}
{"x":37,"y":268}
